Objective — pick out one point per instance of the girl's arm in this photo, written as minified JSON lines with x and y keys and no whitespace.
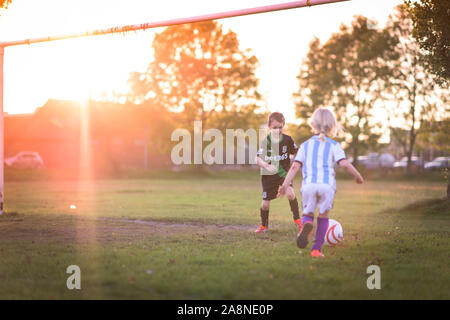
{"x":290,"y":176}
{"x":351,"y":169}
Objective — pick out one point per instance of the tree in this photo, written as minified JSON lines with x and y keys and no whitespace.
{"x":345,"y":73}
{"x":200,"y":72}
{"x":4,"y":4}
{"x":410,"y":85}
{"x":431,"y":29}
{"x":437,"y":134}
{"x":298,"y":132}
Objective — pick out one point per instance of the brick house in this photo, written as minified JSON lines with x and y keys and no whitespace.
{"x":115,"y":135}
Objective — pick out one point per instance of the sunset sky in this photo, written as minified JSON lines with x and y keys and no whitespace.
{"x":96,"y":66}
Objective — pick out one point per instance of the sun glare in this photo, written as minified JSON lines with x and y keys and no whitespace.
{"x":83,"y":72}
{"x":96,"y":67}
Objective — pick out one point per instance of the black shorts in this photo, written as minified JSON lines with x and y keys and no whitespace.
{"x":270,"y":185}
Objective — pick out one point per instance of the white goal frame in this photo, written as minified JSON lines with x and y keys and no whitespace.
{"x":124,"y":29}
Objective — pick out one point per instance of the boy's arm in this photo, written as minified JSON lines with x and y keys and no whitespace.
{"x":293,"y":149}
{"x":351,"y":169}
{"x":290,"y":176}
{"x":260,"y":163}
{"x":265,"y":165}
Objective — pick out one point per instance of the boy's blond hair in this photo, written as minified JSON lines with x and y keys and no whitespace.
{"x":323,"y":121}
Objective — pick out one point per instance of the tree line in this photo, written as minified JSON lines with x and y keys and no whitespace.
{"x":363,"y":71}
{"x":199,"y":72}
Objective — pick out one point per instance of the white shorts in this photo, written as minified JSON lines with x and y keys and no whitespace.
{"x":317,"y":194}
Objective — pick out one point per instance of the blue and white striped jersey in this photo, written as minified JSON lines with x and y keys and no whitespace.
{"x":318,"y":159}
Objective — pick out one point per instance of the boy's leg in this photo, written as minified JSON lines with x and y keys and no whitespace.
{"x":264,"y":211}
{"x":265,"y":206}
{"x":293,"y":203}
{"x":270,"y":190}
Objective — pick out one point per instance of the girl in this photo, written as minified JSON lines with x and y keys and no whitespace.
{"x":317,"y":157}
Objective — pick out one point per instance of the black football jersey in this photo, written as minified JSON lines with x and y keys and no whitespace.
{"x":286,"y":147}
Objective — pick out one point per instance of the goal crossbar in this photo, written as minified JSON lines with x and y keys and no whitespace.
{"x":165,"y":23}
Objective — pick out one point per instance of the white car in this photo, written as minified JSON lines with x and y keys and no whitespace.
{"x":438,"y":163}
{"x":386,"y":160}
{"x":374,"y":161}
{"x":403,"y":163}
{"x":25,"y":159}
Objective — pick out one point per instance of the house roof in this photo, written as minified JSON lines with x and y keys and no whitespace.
{"x":61,"y":120}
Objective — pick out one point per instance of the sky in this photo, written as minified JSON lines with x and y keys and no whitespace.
{"x":94,"y":67}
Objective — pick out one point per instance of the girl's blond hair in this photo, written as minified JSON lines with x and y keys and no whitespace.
{"x":323,"y":121}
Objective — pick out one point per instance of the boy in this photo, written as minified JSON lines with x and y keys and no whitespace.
{"x":273,"y":158}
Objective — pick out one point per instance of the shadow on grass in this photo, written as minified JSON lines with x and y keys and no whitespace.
{"x":425,"y":207}
{"x":428,"y":206}
{"x":49,"y":174}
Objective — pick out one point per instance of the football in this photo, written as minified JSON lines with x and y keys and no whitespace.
{"x":334,"y":233}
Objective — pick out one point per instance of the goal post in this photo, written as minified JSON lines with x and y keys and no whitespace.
{"x":2,"y":132}
{"x":128,"y":28}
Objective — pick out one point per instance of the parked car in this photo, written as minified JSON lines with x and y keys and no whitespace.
{"x":386,"y":160}
{"x":403,"y":163}
{"x":374,"y":161}
{"x":25,"y":159}
{"x":438,"y":163}
{"x":361,"y":160}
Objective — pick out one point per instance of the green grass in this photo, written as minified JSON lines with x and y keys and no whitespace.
{"x":195,"y":240}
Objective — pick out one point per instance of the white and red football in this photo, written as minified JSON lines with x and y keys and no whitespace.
{"x":334,"y":233}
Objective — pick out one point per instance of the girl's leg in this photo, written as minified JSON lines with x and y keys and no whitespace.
{"x":322,"y":227}
{"x":325,"y":204}
{"x":309,"y":203}
{"x":305,"y":231}
{"x":308,"y":217}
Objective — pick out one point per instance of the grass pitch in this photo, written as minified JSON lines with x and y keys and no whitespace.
{"x":192,"y":238}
